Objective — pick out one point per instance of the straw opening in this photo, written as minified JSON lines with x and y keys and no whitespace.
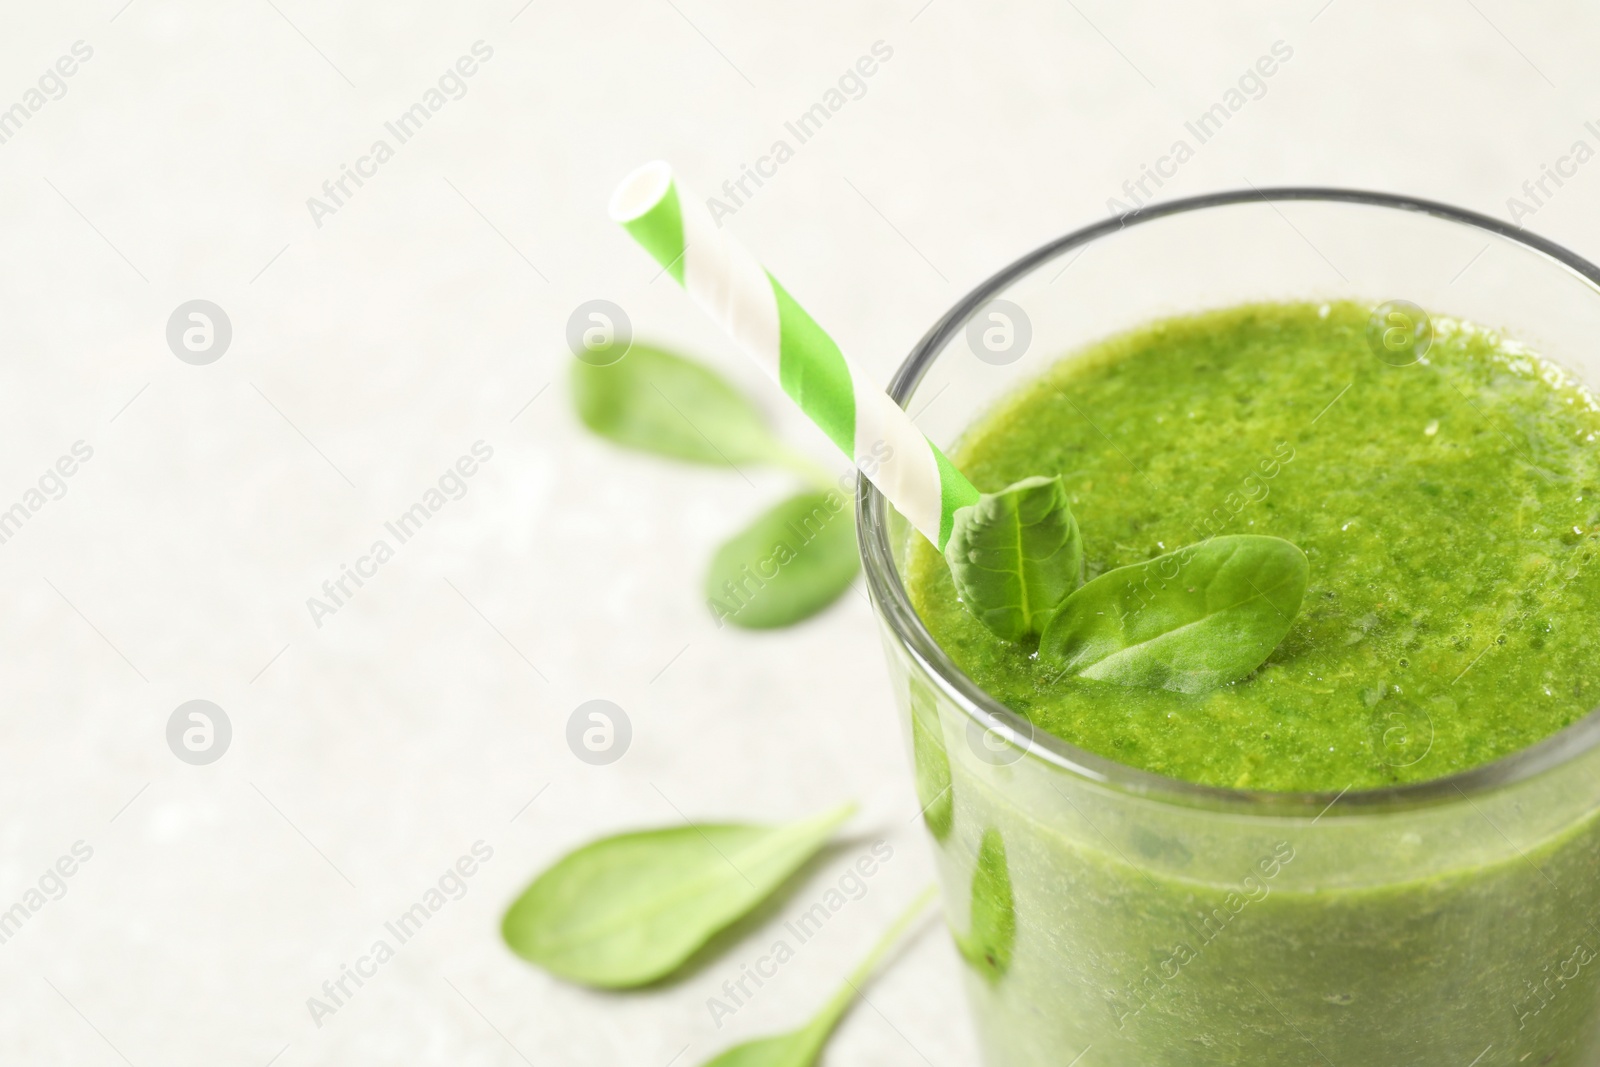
{"x":640,"y":191}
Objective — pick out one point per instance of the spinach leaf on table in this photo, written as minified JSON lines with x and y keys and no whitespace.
{"x":793,"y":560}
{"x":654,"y":401}
{"x":628,"y":910}
{"x":787,"y":565}
{"x":800,"y":1048}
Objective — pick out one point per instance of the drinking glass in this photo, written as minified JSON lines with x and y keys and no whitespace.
{"x":1141,"y":921}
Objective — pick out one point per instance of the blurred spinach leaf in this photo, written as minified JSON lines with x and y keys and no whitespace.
{"x":629,"y":909}
{"x":654,"y":401}
{"x":787,"y":565}
{"x":800,"y":1048}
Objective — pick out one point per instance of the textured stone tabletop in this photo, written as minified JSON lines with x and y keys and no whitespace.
{"x":396,"y":318}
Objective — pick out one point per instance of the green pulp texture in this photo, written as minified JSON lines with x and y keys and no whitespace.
{"x":1447,"y":507}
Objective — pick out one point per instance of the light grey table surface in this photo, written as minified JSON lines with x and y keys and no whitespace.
{"x":374,"y":344}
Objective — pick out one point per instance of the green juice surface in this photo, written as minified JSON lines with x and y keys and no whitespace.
{"x":1447,"y":509}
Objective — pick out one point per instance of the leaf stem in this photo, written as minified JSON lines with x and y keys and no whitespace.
{"x":834,"y":1010}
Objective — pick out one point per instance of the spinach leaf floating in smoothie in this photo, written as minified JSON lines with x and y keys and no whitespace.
{"x":627,"y":910}
{"x":1015,"y":555}
{"x":992,"y":930}
{"x":800,"y":1048}
{"x":1188,"y":621}
{"x":931,"y":762}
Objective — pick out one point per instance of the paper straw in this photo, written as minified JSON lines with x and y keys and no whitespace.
{"x":746,"y":301}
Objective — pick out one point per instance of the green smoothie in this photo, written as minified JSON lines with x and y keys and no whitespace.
{"x":1446,"y":508}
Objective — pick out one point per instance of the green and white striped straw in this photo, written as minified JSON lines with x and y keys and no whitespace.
{"x":747,"y":302}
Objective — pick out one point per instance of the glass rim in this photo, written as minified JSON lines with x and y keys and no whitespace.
{"x":893,"y":602}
